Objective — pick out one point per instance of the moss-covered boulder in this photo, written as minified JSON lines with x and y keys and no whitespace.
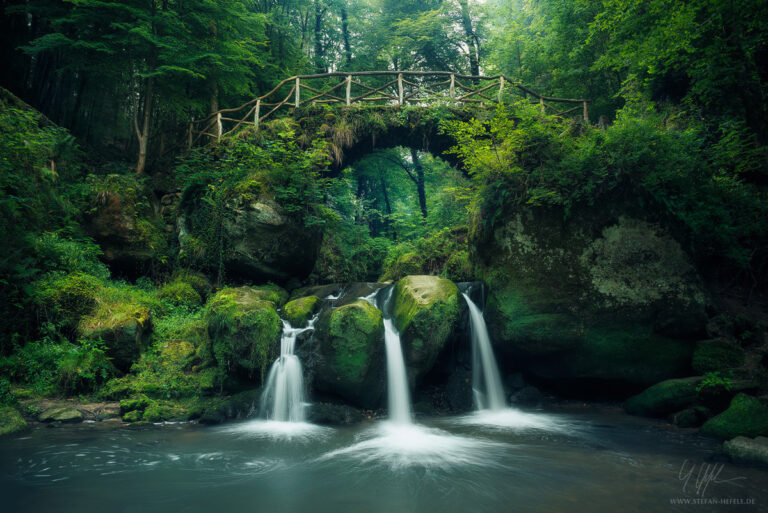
{"x":124,"y":327}
{"x":299,"y":311}
{"x":124,"y":224}
{"x":746,"y":416}
{"x":664,"y":398}
{"x":11,"y":421}
{"x":68,"y":298}
{"x":352,"y":353}
{"x":180,"y":293}
{"x":244,"y":331}
{"x":599,"y":294}
{"x":716,"y":355}
{"x":250,"y":233}
{"x":61,"y":414}
{"x":426,"y":312}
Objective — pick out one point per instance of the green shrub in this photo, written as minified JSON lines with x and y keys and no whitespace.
{"x":180,"y":293}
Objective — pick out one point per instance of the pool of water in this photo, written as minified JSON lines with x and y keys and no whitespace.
{"x":560,"y":461}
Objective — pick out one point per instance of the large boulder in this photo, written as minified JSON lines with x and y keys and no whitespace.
{"x":664,"y":398}
{"x":426,"y":313}
{"x":11,"y":421}
{"x":244,"y":330}
{"x":123,"y":327}
{"x":61,"y":414}
{"x":299,"y":311}
{"x":251,"y":235}
{"x":351,"y":348}
{"x":746,"y":416}
{"x":593,"y":296}
{"x":124,"y":223}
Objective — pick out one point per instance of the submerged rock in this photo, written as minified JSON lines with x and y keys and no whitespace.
{"x":426,"y":313}
{"x":61,"y":414}
{"x":11,"y":421}
{"x":742,"y":448}
{"x":746,"y":416}
{"x":351,"y":345}
{"x":333,"y":414}
{"x":664,"y":398}
{"x":595,"y":295}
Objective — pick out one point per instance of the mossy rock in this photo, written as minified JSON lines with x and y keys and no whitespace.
{"x":61,"y":414}
{"x":180,"y":293}
{"x":426,"y":313}
{"x":599,"y":294}
{"x":11,"y":421}
{"x":746,"y":416}
{"x":716,"y":355}
{"x":69,"y":297}
{"x":351,"y":346}
{"x":277,"y":295}
{"x":133,"y":416}
{"x":197,"y":281}
{"x":664,"y":398}
{"x":745,"y":449}
{"x":178,"y":353}
{"x":299,"y":311}
{"x":124,"y":329}
{"x":244,"y":330}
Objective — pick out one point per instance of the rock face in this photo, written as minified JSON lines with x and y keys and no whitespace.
{"x":244,"y":330}
{"x":601,"y":296}
{"x":746,"y":416}
{"x":664,"y":398}
{"x":124,"y":331}
{"x":351,"y":349}
{"x":747,"y":449}
{"x":11,"y":421}
{"x":129,"y":236}
{"x":426,"y":313}
{"x":260,"y":240}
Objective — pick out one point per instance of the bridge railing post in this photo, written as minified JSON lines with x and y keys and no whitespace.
{"x":219,"y":126}
{"x":400,"y":88}
{"x":189,"y":136}
{"x":452,"y":89}
{"x":298,"y":93}
{"x":257,"y":113}
{"x":349,"y":89}
{"x":586,"y":113}
{"x":501,"y":87}
{"x":541,"y":104}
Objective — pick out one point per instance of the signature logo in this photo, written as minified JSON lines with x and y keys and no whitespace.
{"x":708,"y":473}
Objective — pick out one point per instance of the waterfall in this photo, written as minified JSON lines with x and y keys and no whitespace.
{"x":487,"y":391}
{"x":398,"y":396}
{"x":283,"y":397}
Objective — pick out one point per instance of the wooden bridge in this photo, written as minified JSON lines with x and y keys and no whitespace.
{"x":385,"y":88}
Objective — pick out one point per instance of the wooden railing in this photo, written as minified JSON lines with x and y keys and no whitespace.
{"x":387,"y":88}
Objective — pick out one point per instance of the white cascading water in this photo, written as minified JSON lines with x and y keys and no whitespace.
{"x":398,"y":396}
{"x":487,"y":391}
{"x":283,"y":397}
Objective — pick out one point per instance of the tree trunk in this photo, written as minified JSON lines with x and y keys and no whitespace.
{"x":388,"y":208}
{"x":319,"y":12}
{"x":420,"y":183}
{"x":143,"y":134}
{"x":470,"y":38}
{"x":345,"y":35}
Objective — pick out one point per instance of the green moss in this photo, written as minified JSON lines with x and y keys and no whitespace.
{"x":69,"y":297}
{"x":11,"y":421}
{"x":353,"y":330}
{"x":716,"y":355}
{"x":196,"y":280}
{"x":140,"y":402}
{"x":272,"y":293}
{"x":663,"y":398}
{"x":133,"y":416}
{"x":746,"y":416}
{"x":244,"y":330}
{"x":426,"y":312}
{"x":298,"y":311}
{"x":180,"y":293}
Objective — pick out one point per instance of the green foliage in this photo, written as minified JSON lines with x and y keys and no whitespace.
{"x":714,"y":383}
{"x":180,"y":293}
{"x":443,"y":253}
